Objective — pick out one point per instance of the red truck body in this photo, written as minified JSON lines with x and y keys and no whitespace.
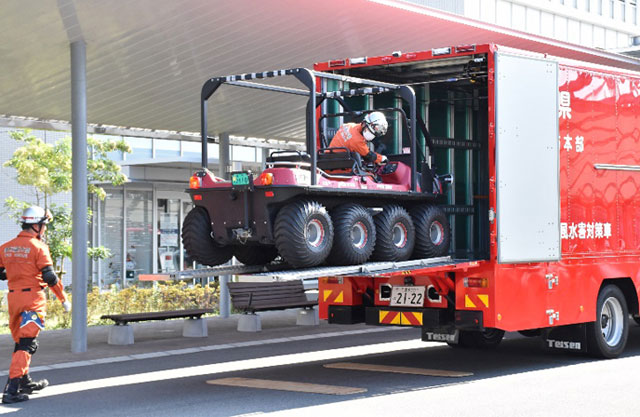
{"x":598,"y":224}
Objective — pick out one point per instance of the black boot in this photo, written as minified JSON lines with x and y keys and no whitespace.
{"x":28,"y":385}
{"x":11,"y":394}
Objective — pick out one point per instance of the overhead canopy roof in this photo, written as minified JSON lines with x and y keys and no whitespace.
{"x":147,"y":59}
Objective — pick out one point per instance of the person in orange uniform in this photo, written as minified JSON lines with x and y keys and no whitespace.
{"x":26,"y":264}
{"x":355,"y":136}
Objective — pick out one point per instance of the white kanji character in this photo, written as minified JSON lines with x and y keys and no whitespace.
{"x":599,"y":230}
{"x":582,"y":230}
{"x":564,"y":234}
{"x":564,"y":108}
{"x":607,"y":230}
{"x":567,"y":143}
{"x":573,"y":232}
{"x":590,"y":230}
{"x":579,"y":143}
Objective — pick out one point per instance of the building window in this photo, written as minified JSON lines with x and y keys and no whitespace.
{"x":141,"y":148}
{"x":139,"y":232}
{"x":167,"y":148}
{"x":111,"y":237}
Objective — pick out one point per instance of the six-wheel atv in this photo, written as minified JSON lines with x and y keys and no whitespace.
{"x":320,"y":206}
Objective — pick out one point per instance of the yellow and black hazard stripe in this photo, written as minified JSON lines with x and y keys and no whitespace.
{"x":400,"y":318}
{"x":480,"y":301}
{"x":333,"y":296}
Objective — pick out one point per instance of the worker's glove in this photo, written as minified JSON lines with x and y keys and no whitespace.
{"x":384,"y":160}
{"x":67,"y":306}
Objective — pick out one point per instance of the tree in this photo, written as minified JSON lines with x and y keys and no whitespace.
{"x":47,"y":168}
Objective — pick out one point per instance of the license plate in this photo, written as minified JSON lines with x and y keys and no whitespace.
{"x":407,"y":296}
{"x":240,"y":178}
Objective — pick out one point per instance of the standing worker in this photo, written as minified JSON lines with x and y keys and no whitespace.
{"x":355,"y":136}
{"x":25,"y":262}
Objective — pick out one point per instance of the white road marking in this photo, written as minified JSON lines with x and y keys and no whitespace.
{"x":139,"y":356}
{"x":396,"y":369}
{"x":234,"y":366}
{"x":287,"y":386}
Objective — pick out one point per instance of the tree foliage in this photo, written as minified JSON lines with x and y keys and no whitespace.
{"x":47,"y":168}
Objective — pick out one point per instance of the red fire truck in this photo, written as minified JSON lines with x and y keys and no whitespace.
{"x":544,"y":206}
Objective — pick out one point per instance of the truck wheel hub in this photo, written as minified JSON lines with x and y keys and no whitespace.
{"x":359,"y":235}
{"x":611,"y":321}
{"x":399,"y":234}
{"x":314,"y":233}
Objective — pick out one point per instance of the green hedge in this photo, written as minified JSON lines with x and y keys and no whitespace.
{"x":164,"y":296}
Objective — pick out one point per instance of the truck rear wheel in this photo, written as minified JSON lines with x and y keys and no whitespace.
{"x":303,"y":233}
{"x":433,"y":233}
{"x":197,"y":240}
{"x":395,"y":234}
{"x":255,"y":254}
{"x":607,"y":336}
{"x":488,"y":338}
{"x":354,"y":235}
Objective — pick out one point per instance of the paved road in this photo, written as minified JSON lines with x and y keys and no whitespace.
{"x":516,"y":379}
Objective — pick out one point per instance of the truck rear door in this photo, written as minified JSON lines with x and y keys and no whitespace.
{"x":527,"y":159}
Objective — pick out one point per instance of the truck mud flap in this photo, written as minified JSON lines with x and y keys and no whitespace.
{"x":449,"y":335}
{"x":346,"y":314}
{"x":572,"y":338}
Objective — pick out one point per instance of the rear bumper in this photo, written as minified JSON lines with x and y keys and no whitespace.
{"x":427,"y":318}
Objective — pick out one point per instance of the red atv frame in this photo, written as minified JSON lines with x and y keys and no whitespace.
{"x":301,"y":209}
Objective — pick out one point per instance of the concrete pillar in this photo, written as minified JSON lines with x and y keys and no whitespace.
{"x":120,"y":335}
{"x":249,"y":323}
{"x":80,"y":267}
{"x":223,"y":167}
{"x":195,"y":328}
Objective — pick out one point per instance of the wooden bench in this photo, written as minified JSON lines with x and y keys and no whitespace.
{"x":122,"y":334}
{"x":251,"y":297}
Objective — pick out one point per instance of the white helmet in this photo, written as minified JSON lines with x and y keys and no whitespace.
{"x":35,"y":215}
{"x":376,"y":123}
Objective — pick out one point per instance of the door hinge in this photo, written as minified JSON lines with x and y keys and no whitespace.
{"x":553,"y":315}
{"x":552,"y":280}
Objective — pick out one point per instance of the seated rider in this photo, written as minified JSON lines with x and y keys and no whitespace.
{"x":355,"y":136}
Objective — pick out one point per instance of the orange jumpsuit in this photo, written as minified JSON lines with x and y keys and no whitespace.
{"x":350,"y":136}
{"x":23,"y":259}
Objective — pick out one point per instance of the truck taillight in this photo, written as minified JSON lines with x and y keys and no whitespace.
{"x":465,"y":48}
{"x":358,"y":61}
{"x":195,"y":182}
{"x":440,"y":51}
{"x":266,"y":178}
{"x":475,"y":282}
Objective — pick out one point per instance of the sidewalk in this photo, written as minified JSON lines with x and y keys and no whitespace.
{"x":162,"y":338}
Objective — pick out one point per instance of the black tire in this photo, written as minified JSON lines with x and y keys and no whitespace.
{"x":636,"y":319}
{"x":433,"y":232}
{"x":395,"y":235}
{"x":486,"y":339}
{"x":354,"y":235}
{"x":197,"y":240}
{"x":607,"y":336}
{"x":303,"y":233}
{"x":531,"y":332}
{"x":255,"y":254}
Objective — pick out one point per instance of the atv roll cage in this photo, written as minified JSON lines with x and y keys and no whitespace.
{"x":308,"y":78}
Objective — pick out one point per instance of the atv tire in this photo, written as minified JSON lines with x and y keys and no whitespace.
{"x":433,"y":232}
{"x":255,"y":254}
{"x":395,"y":235}
{"x":354,"y":235}
{"x":303,"y":233}
{"x":197,"y":240}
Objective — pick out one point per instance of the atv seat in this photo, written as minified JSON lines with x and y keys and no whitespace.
{"x":288,"y":156}
{"x":332,"y":159}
